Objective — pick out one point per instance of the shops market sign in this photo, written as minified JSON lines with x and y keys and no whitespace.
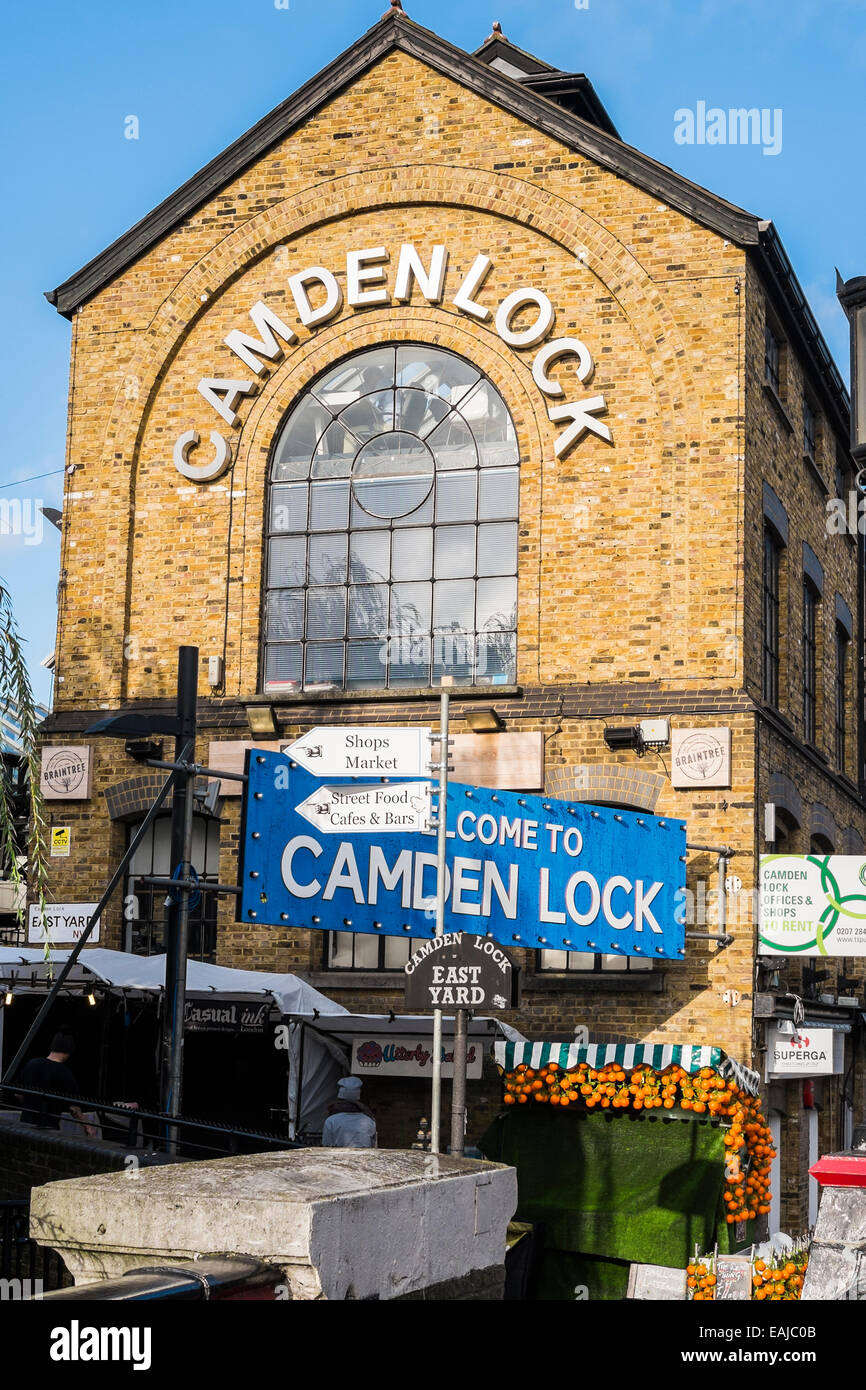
{"x":812,"y":905}
{"x":227,"y":1016}
{"x":318,"y":299}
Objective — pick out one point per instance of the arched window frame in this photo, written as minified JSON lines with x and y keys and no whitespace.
{"x":339,"y":613}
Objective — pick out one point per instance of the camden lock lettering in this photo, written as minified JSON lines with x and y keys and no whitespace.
{"x":318,"y":299}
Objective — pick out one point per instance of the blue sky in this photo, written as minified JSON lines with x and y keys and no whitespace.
{"x":197,"y":73}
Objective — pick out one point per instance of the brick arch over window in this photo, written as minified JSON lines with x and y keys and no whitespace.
{"x":784,"y":794}
{"x":824,"y":823}
{"x":613,"y":783}
{"x":131,"y":799}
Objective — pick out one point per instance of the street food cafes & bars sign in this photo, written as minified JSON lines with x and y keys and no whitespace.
{"x":522,"y":870}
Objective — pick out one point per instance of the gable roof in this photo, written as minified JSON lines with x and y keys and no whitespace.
{"x":523,"y":98}
{"x":396,"y":32}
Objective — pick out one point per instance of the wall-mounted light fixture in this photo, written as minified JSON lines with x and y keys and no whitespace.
{"x":8,"y":997}
{"x":485,"y":720}
{"x":619,"y":737}
{"x":262,"y":721}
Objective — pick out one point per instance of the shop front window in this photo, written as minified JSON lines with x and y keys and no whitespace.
{"x":392,"y":529}
{"x":347,"y":950}
{"x":144,"y":906}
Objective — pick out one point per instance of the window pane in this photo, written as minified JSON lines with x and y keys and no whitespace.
{"x":366,"y":952}
{"x":340,"y":953}
{"x":614,"y":962}
{"x":285,"y":614}
{"x":392,"y":475}
{"x":329,"y":506}
{"x":326,"y":612}
{"x":454,"y":656}
{"x":370,"y":416}
{"x":335,"y":453}
{"x":283,"y":668}
{"x":286,"y":562}
{"x":410,"y":660}
{"x":369,"y":371}
{"x":456,"y":497}
{"x":498,"y":491}
{"x":289,"y":508}
{"x":419,"y":412}
{"x":497,"y":658}
{"x":411,"y":607}
{"x":396,"y":952}
{"x":422,"y":516}
{"x":497,"y":604}
{"x":362,"y":519}
{"x":298,"y":440}
{"x":554,"y":960}
{"x":640,"y":963}
{"x":412,"y":555}
{"x":454,"y":552}
{"x":438,"y":373}
{"x":369,"y":557}
{"x":328,"y":559}
{"x":453,"y":445}
{"x":454,"y":606}
{"x":368,"y":610}
{"x":324,"y":663}
{"x":497,"y":548}
{"x":366,"y":665}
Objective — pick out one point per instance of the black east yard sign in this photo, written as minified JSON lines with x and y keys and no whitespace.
{"x":461,"y":971}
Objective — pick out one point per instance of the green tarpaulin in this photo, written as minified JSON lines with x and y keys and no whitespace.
{"x":622,"y":1187}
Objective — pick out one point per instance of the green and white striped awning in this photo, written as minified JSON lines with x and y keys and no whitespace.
{"x":656,"y":1055}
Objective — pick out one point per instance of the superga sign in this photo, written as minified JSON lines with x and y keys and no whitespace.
{"x":521,"y":870}
{"x":379,"y":276}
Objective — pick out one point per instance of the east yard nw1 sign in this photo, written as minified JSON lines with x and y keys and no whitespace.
{"x":813,"y":905}
{"x":521,"y":869}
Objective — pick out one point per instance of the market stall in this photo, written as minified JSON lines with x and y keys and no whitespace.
{"x":630,"y":1154}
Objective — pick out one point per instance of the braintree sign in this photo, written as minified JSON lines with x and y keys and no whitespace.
{"x":318,"y":299}
{"x":521,"y":870}
{"x":813,"y":905}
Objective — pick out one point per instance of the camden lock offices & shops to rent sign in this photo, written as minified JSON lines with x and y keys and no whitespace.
{"x":523,"y":870}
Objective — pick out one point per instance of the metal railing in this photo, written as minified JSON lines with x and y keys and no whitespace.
{"x":141,"y":1132}
{"x":27,"y":1270}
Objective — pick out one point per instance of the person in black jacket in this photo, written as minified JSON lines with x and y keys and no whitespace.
{"x":50,"y":1074}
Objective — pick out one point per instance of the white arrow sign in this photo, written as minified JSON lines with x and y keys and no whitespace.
{"x":362,"y":751}
{"x":373,"y":809}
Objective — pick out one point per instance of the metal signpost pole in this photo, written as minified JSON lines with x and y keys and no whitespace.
{"x":458,"y":1085}
{"x":177,"y":913}
{"x":441,"y":845}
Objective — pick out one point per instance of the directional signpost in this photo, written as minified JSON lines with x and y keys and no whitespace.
{"x":362,"y":751}
{"x":337,"y":838}
{"x":522,"y":870}
{"x":371,"y":808}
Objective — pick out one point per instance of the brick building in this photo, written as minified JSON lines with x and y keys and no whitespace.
{"x":632,"y":527}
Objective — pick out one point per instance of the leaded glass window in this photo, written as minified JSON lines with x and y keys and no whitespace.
{"x":392,"y":528}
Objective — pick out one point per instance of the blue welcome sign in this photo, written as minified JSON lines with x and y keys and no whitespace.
{"x":523,"y":870}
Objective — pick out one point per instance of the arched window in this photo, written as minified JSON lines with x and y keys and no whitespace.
{"x":392,"y":528}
